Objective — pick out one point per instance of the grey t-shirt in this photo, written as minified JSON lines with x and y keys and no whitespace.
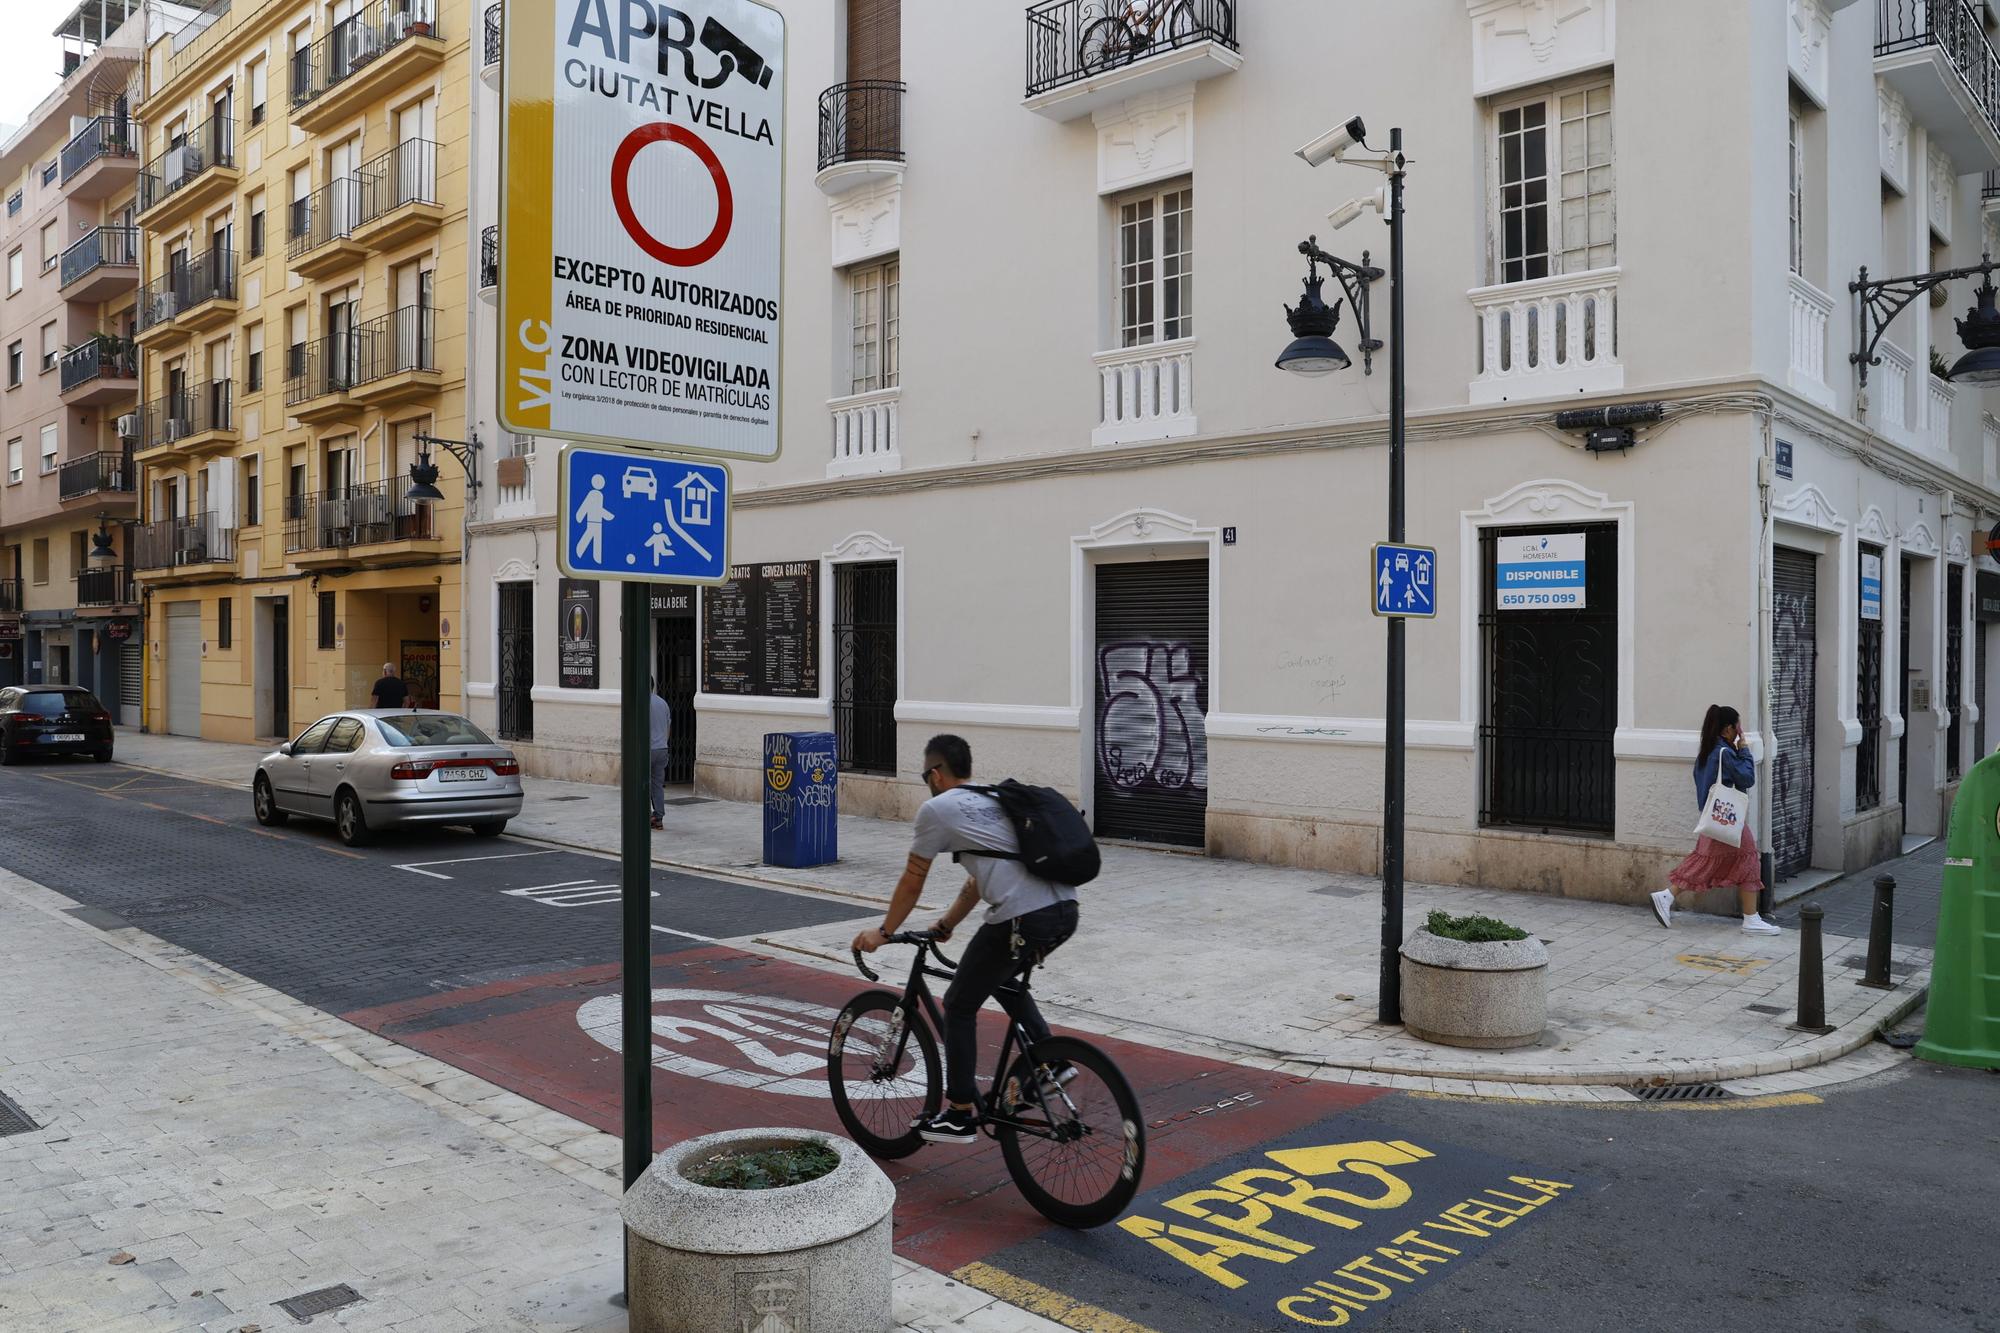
{"x":660,"y":722}
{"x":960,"y":820}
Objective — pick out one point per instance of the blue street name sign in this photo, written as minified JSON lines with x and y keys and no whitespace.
{"x":1405,"y":581}
{"x":643,"y":517}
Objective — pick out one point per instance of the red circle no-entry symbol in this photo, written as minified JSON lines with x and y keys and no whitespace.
{"x":621,"y":195}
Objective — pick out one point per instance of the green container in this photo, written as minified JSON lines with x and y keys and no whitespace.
{"x":1962,"y":1025}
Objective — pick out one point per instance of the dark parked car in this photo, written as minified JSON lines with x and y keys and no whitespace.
{"x":52,"y":719}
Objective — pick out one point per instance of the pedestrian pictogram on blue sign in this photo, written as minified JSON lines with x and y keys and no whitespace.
{"x":643,"y":516}
{"x":1405,"y":581}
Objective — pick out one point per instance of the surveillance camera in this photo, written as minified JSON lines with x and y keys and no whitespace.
{"x":1329,"y":146}
{"x":1354,"y":208}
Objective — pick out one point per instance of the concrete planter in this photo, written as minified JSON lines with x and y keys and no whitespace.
{"x":811,"y":1258}
{"x":1494,"y":996}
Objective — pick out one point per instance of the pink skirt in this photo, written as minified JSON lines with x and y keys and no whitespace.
{"x":1717,"y":865}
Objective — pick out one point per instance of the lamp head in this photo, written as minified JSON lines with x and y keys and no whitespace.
{"x":1980,"y":332}
{"x":1312,"y":350}
{"x":423,"y":480}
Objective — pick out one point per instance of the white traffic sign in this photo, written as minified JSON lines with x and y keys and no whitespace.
{"x":642,"y":222}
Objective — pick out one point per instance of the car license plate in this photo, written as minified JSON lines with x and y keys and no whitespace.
{"x":461,"y":774}
{"x":52,"y":739}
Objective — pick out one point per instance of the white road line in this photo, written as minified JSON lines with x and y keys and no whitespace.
{"x":416,"y":867}
{"x":685,"y":934}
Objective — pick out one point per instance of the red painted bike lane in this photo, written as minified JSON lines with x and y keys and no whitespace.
{"x":740,"y":1040}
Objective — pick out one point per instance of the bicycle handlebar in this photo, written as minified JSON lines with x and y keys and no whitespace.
{"x":923,"y":939}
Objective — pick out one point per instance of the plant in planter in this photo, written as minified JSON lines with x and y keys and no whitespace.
{"x":1474,"y":981}
{"x":753,"y":1228}
{"x":1939,"y":366}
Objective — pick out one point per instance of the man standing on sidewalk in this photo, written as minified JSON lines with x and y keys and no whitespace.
{"x":657,"y":774}
{"x":390,"y":691}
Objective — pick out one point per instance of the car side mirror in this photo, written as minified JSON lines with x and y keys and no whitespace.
{"x":285,"y":749}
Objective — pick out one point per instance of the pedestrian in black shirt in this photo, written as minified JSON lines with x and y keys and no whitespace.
{"x":390,"y":691}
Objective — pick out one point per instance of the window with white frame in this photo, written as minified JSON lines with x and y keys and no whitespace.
{"x":1155,"y":296}
{"x":51,"y":352}
{"x":1795,"y":215}
{"x":49,"y":448}
{"x":1556,"y":205}
{"x":874,"y":298}
{"x":13,"y":271}
{"x":14,"y":461}
{"x":52,"y":246}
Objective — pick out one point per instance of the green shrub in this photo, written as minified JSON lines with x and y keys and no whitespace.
{"x":1471,"y":929}
{"x":765,"y":1168}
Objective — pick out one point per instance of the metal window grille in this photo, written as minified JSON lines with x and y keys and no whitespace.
{"x":864,"y":649}
{"x":1794,"y":708}
{"x":517,"y":662}
{"x":1954,"y":669}
{"x":1150,"y":778}
{"x":1868,"y":699}
{"x":1551,"y":699}
{"x":326,"y":620}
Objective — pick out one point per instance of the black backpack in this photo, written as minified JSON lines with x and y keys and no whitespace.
{"x":1055,"y":842}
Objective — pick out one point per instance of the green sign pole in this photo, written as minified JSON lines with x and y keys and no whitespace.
{"x":1962,"y":1025}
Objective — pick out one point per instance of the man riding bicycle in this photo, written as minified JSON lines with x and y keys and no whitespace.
{"x":1027,"y":918}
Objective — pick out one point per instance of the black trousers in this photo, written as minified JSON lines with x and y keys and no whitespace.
{"x":993,"y":963}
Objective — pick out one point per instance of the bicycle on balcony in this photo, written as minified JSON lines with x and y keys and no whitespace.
{"x":1131,"y":29}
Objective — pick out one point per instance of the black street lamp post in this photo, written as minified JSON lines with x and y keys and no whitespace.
{"x":1313,"y":352}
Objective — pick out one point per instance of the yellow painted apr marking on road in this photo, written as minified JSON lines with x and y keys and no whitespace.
{"x":1722,"y":962}
{"x":1038,"y":1299}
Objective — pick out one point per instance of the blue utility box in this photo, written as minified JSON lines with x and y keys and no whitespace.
{"x":801,"y":799}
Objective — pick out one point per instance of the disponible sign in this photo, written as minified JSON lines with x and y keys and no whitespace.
{"x":1541,"y":572}
{"x":1871,"y":586}
{"x":641,"y":238}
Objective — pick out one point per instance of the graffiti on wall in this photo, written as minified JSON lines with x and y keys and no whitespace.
{"x":1794,"y":661}
{"x":1150,"y":736}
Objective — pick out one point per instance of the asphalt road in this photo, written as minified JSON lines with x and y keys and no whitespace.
{"x":1269,"y":1202}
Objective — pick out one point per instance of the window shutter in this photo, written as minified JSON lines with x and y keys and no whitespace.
{"x":874,"y":40}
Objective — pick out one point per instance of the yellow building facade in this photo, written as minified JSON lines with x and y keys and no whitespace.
{"x":302,"y":332}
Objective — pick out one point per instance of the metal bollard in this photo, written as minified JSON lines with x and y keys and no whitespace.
{"x":1766,"y":894}
{"x":1880,"y":927}
{"x":1812,"y":981}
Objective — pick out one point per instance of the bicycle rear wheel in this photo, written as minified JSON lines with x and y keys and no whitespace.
{"x":1077,"y":1154}
{"x":882,"y":1067}
{"x":1106,"y":44}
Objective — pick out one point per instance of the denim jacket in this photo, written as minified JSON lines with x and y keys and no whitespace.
{"x":1738,"y":769}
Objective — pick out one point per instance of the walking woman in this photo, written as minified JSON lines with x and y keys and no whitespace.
{"x":1712,"y":864}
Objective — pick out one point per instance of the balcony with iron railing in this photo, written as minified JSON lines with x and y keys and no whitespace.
{"x":195,"y":38}
{"x":102,"y":264}
{"x":489,"y":260}
{"x":319,"y":229}
{"x":1087,"y":54}
{"x":189,"y":175}
{"x":384,"y":46}
{"x":101,"y":158}
{"x":10,"y":597}
{"x":490,"y":67}
{"x":1935,"y":53}
{"x":189,"y":297}
{"x":398,"y":357}
{"x":328,"y":529}
{"x":101,"y":369}
{"x":319,"y":376}
{"x":187,"y":421}
{"x":106,"y":587}
{"x":95,"y":475}
{"x":860,"y":134}
{"x":193,"y":540}
{"x":399,"y":195}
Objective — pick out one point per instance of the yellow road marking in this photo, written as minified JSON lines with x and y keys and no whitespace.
{"x":337,"y":851}
{"x":1758,"y":1103}
{"x":1037,"y":1299}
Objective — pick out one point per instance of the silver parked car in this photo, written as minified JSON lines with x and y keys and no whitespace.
{"x":371,"y":769}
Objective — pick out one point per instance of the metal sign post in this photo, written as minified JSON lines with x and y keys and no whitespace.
{"x":640,"y":273}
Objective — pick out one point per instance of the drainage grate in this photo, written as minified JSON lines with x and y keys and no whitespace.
{"x":1898,"y":969}
{"x":566,"y":798}
{"x":13,"y":1120}
{"x":1773,"y":1009}
{"x":1680,"y":1092}
{"x":304,"y":1307}
{"x":170,"y":906}
{"x":691,"y":800}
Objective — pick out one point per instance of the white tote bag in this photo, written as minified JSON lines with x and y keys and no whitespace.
{"x":1724,"y":813}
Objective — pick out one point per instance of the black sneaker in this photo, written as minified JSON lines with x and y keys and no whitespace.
{"x":951,"y":1125}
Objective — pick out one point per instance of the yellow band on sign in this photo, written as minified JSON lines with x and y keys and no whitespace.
{"x":527,"y":250}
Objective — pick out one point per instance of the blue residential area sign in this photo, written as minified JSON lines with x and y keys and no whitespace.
{"x":1405,"y":581}
{"x":643,"y":516}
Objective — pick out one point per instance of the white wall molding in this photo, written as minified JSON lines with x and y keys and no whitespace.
{"x":853,"y":549}
{"x":867,"y":223}
{"x":1873,"y":527}
{"x":1418,"y":733}
{"x":557,"y":694}
{"x":1805,"y":43}
{"x":1029,"y":717}
{"x":1520,"y":42}
{"x":1145,"y":139}
{"x":480,"y":689}
{"x":1920,"y":541}
{"x":1892,"y":126}
{"x":768,"y":705}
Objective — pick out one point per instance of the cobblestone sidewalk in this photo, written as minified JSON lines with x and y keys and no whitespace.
{"x":1276,"y":966}
{"x":208,"y":1148}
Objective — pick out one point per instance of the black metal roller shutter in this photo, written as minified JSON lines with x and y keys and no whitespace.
{"x":1151,"y":669}
{"x":1795,"y":661}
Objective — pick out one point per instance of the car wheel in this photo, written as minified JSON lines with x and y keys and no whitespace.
{"x":265,"y":802}
{"x":101,"y":756}
{"x":348,"y":821}
{"x":491,"y":828}
{"x":9,"y":755}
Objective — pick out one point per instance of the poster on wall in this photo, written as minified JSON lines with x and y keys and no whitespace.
{"x":420,"y":671}
{"x":1871,"y":586}
{"x":1539,"y":572}
{"x":576,"y":634}
{"x":760,"y":631}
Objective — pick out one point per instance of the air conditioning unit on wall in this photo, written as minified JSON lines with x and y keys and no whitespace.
{"x":128,"y":426}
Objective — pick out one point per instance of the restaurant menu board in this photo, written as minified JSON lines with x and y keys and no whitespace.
{"x":576,"y":635}
{"x":760,"y":631}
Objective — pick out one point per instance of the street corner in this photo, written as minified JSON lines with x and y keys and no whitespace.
{"x":1327,"y":1225}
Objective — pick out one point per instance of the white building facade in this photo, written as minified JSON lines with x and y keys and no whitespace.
{"x":1078,"y":517}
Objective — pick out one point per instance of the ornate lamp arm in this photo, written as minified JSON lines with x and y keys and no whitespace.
{"x":1354,"y":280}
{"x":1878,"y":302}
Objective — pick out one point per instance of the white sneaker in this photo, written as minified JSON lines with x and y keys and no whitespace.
{"x":1757,"y":925}
{"x":1663,"y":907}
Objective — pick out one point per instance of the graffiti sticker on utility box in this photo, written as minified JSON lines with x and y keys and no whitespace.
{"x":1319,"y":1233}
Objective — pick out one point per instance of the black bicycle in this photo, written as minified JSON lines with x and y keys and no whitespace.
{"x":1065,"y":1117}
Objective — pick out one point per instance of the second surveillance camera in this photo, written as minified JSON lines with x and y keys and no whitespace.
{"x":1334,"y":142}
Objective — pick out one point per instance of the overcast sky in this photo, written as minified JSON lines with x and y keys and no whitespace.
{"x":30,"y":59}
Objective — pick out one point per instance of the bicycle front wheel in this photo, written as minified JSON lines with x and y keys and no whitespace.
{"x":882,"y":1066}
{"x":1106,"y":44}
{"x":1077,"y":1150}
